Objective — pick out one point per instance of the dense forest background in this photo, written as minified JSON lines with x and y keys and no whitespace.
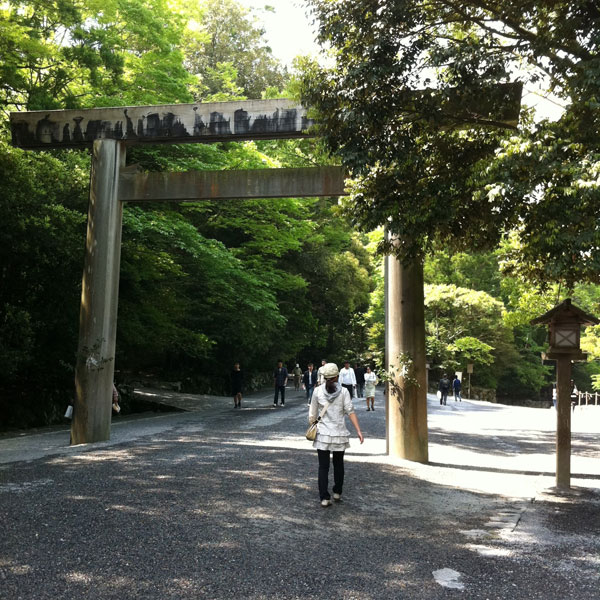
{"x":206,"y":284}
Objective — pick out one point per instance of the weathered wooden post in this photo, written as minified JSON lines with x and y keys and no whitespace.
{"x":99,"y":298}
{"x":406,"y":360}
{"x":564,"y":327}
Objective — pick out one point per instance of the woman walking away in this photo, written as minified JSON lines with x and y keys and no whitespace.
{"x":370,"y":383}
{"x":331,"y":402}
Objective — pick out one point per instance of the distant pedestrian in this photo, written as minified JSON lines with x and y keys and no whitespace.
{"x":444,"y":388}
{"x":115,"y":399}
{"x":320,"y":378}
{"x":332,"y":434}
{"x":574,"y":395}
{"x":359,"y":373}
{"x":309,"y":381}
{"x":297,"y":375}
{"x":280,"y":378}
{"x":348,"y":378}
{"x":237,"y":385}
{"x":456,"y":386}
{"x":370,"y":383}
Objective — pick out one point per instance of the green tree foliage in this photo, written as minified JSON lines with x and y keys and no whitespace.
{"x":477,"y":271}
{"x":521,"y":302}
{"x":543,"y":181}
{"x":180,"y":290}
{"x":548,"y":171}
{"x":464,"y":326}
{"x":412,"y":169}
{"x":225,"y":50}
{"x":42,"y":230}
{"x":79,"y":54}
{"x":476,"y":314}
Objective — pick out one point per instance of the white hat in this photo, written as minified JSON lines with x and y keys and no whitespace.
{"x":329,"y":371}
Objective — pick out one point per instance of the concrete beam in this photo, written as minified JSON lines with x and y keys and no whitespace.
{"x":175,"y":123}
{"x":223,"y":185}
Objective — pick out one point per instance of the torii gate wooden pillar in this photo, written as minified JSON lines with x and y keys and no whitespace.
{"x":406,"y":403}
{"x":94,"y":370}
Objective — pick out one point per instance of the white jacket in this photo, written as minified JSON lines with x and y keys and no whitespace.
{"x":333,"y":423}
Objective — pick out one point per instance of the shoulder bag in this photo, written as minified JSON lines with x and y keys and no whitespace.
{"x":311,"y":432}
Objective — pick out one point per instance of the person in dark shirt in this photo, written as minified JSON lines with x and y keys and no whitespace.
{"x":280,"y":377}
{"x":237,"y":385}
{"x":359,"y":373}
{"x":309,"y":380}
{"x":444,"y":388}
{"x":456,"y":385}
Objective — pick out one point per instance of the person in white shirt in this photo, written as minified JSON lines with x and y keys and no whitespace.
{"x":332,"y":435}
{"x":348,"y":378}
{"x":320,"y":378}
{"x":370,"y":383}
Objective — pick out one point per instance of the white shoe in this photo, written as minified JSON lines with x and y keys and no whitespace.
{"x":325,"y":503}
{"x":337,"y":497}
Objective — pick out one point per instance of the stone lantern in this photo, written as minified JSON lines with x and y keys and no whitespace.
{"x":564,"y":330}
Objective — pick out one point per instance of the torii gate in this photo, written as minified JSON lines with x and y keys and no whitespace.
{"x":109,"y":131}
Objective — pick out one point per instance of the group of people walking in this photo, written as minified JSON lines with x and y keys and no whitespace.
{"x":446,"y":385}
{"x":329,"y":394}
{"x":359,"y":381}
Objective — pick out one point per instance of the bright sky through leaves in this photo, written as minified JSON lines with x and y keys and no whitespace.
{"x":288,"y":28}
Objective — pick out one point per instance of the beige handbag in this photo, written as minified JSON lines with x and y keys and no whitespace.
{"x":311,"y":432}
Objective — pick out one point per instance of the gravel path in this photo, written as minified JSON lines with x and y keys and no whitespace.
{"x":222,"y":503}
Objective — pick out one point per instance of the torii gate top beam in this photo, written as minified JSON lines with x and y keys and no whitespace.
{"x":230,"y":121}
{"x":175,"y":123}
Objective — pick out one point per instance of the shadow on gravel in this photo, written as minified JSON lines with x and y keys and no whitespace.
{"x":195,"y":515}
{"x":514,"y":442}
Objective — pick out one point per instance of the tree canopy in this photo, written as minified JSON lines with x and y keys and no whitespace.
{"x":430,"y":183}
{"x":82,"y":53}
{"x":225,"y":50}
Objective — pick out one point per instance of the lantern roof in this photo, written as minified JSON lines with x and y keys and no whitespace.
{"x":565,"y":312}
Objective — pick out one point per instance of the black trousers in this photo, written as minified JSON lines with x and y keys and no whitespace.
{"x":338,"y":473}
{"x":350,"y":388}
{"x":279,"y":388}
